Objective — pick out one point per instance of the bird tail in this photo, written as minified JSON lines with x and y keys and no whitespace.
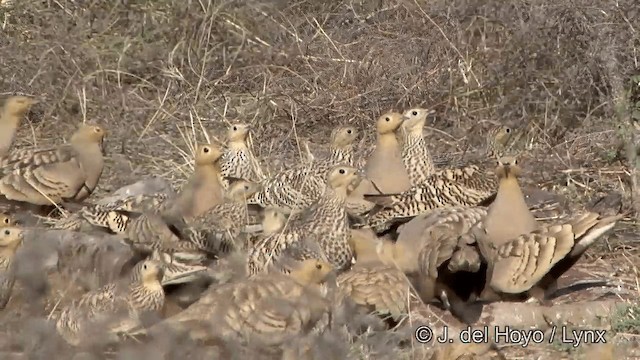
{"x":588,"y":228}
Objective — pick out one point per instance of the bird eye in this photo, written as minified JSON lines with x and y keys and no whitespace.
{"x":342,"y":171}
{"x":516,"y":162}
{"x":144,"y":266}
{"x":6,"y":220}
{"x":7,"y":232}
{"x":98,"y":130}
{"x":319,"y":266}
{"x":507,"y":130}
{"x":205,"y":150}
{"x":349,"y":131}
{"x":235,"y":128}
{"x":414,"y":113}
{"x":387,"y":119}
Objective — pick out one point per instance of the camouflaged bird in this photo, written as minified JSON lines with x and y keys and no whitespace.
{"x":436,"y":192}
{"x":415,"y":153}
{"x":268,"y":309}
{"x":452,"y":268}
{"x":530,"y":264}
{"x":10,"y":240}
{"x":116,"y":307}
{"x":272,"y":221}
{"x":325,"y":222}
{"x":371,"y":283}
{"x":419,"y":163}
{"x":46,"y":176}
{"x":111,"y":217}
{"x":13,"y":111}
{"x":466,"y":186}
{"x":224,"y":223}
{"x":296,"y":188}
{"x":151,"y":230}
{"x":176,"y":272}
{"x":523,"y":256}
{"x":499,"y":253}
{"x":238,"y":160}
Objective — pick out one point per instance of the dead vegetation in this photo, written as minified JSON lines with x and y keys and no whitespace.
{"x":159,"y":73}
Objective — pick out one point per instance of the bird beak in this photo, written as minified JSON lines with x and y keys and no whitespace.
{"x":431,"y":112}
{"x":507,"y":170}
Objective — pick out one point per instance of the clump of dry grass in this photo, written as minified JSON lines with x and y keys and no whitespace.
{"x":166,"y":74}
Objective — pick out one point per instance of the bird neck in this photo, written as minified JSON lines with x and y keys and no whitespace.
{"x":337,"y":195}
{"x":11,"y":118}
{"x":207,"y":171}
{"x":152,"y":284}
{"x":387,"y":141}
{"x":237,"y":144}
{"x":303,"y":278}
{"x":9,"y":123}
{"x":509,"y":190}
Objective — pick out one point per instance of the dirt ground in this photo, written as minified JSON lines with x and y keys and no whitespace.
{"x":163,"y":75}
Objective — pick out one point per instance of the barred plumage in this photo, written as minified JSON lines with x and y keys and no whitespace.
{"x":116,"y":307}
{"x":238,"y":160}
{"x":326,"y":223}
{"x":299,"y":187}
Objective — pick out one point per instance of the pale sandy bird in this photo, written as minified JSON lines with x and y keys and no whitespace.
{"x":451,"y":255}
{"x":508,"y":204}
{"x":204,"y":189}
{"x":149,"y":230}
{"x":522,"y":256}
{"x":268,"y":309}
{"x":373,"y":284}
{"x":384,"y":170}
{"x":325,"y":222}
{"x":238,"y":160}
{"x":68,"y":172}
{"x":531,"y":264}
{"x":225,"y":223}
{"x":459,"y":261}
{"x":384,"y":166}
{"x":296,"y":188}
{"x":116,"y":307}
{"x":273,"y":220}
{"x":10,"y":240}
{"x":6,"y":220}
{"x":11,"y":115}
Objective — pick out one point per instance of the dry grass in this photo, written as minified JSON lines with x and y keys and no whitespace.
{"x":165,"y":74}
